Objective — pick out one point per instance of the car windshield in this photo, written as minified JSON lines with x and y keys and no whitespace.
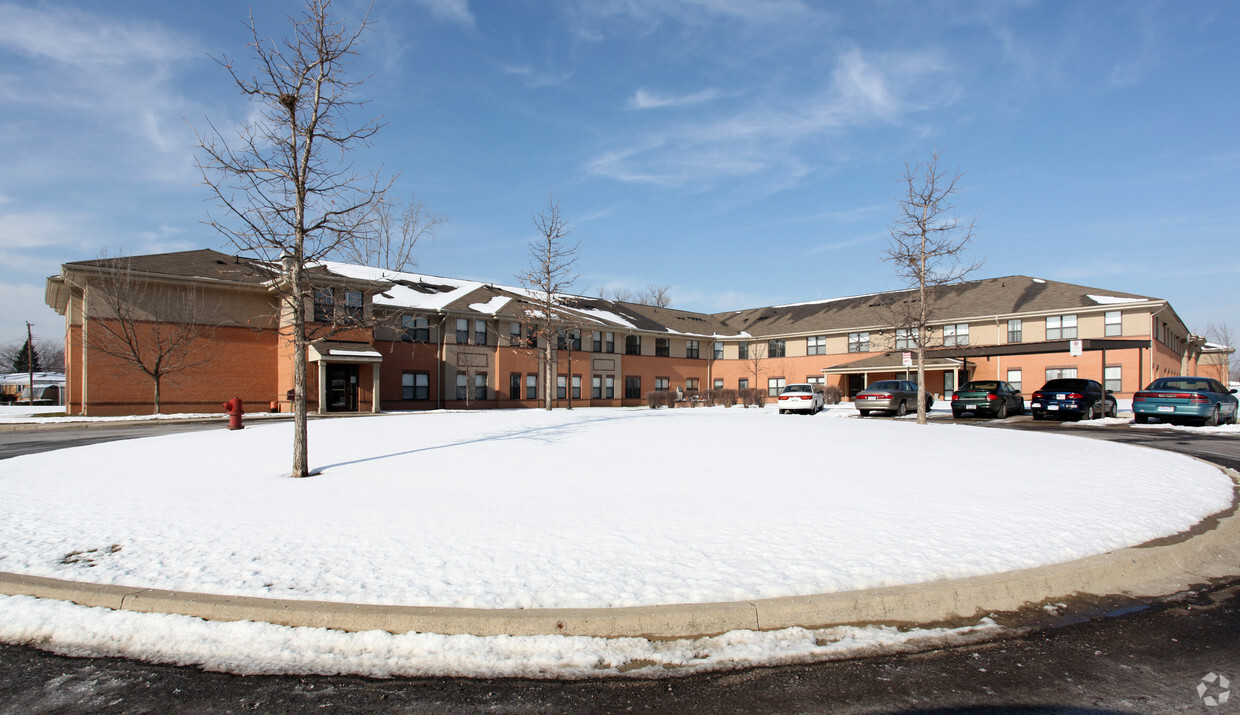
{"x":1180,"y":383}
{"x":969,"y":386}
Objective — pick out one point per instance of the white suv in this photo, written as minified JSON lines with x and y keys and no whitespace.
{"x":802,"y":397}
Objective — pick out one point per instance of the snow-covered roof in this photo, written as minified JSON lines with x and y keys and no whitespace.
{"x":1114,"y":299}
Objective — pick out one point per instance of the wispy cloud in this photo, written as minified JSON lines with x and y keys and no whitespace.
{"x":536,"y":78}
{"x":600,"y":19}
{"x":848,"y":243}
{"x":450,"y":11}
{"x":642,"y":99}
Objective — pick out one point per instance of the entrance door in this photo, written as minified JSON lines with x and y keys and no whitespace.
{"x":341,"y":388}
{"x":856,"y":383}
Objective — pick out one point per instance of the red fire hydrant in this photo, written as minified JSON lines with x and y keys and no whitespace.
{"x":234,"y":411}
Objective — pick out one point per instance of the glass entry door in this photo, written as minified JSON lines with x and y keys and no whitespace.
{"x":341,"y":388}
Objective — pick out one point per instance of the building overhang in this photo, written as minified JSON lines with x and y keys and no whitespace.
{"x":340,"y":351}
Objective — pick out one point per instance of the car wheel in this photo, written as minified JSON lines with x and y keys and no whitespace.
{"x":1141,"y":419}
{"x":901,"y":410}
{"x":1114,"y":411}
{"x":1232,"y":420}
{"x":1001,"y":413}
{"x":1038,"y":417}
{"x":864,"y":413}
{"x":1212,"y":420}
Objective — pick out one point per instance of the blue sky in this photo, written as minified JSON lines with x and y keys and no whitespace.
{"x":744,"y":152}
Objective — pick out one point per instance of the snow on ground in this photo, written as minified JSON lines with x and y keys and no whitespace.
{"x":585,"y":508}
{"x":251,"y":648}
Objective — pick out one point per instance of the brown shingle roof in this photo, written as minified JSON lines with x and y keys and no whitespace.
{"x":203,"y":263}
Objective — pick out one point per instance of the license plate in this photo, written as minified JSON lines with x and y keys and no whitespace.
{"x":1052,"y":407}
{"x":1060,"y":397}
{"x":1166,"y":408}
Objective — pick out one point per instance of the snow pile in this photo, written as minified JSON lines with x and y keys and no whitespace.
{"x":585,"y":508}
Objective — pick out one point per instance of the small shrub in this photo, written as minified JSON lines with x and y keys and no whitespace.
{"x":669,"y":398}
{"x":833,"y":395}
{"x":727,"y":398}
{"x":653,"y":400}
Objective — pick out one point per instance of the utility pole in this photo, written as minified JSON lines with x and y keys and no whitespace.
{"x":30,"y":361}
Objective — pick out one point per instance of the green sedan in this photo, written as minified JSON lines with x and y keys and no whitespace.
{"x":991,"y":397}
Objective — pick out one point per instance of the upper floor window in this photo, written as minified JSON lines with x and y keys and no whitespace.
{"x":324,"y":305}
{"x":1114,"y":323}
{"x":906,"y":338}
{"x":1015,"y":331}
{"x":462,"y":333}
{"x":568,"y":340}
{"x":415,"y":328}
{"x":1060,"y":327}
{"x":353,"y":301}
{"x":514,"y":333}
{"x":858,"y":342}
{"x":691,"y":348}
{"x":776,"y":348}
{"x":816,"y":345}
{"x":717,"y":350}
{"x":742,"y":351}
{"x":632,"y":345}
{"x":662,"y":347}
{"x":596,"y":342}
{"x":956,"y":335}
{"x":480,"y":332}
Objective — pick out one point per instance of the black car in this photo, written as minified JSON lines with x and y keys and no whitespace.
{"x":1074,"y":398}
{"x":993,"y":397}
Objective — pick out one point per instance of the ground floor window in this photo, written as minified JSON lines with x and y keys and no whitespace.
{"x":461,"y":385}
{"x":632,"y":388}
{"x":661,"y":384}
{"x":596,"y":387}
{"x":718,"y":383}
{"x":1055,"y":373}
{"x":742,"y":384}
{"x":576,"y":387}
{"x":1014,"y":379}
{"x":561,"y":387}
{"x":816,"y":380}
{"x":531,"y":387}
{"x":774,"y":386}
{"x":691,"y":384}
{"x":609,"y":387}
{"x":480,"y":386}
{"x":514,"y":386}
{"x":415,"y":386}
{"x":1112,"y":378}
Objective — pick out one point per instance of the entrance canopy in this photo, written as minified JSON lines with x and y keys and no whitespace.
{"x":338,"y":351}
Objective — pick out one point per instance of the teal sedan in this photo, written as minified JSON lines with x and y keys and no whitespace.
{"x":1196,"y":400}
{"x":991,"y":397}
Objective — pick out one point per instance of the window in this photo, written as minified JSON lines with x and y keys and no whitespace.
{"x":949,"y":383}
{"x":480,"y":386}
{"x":461,"y":385}
{"x":561,"y":387}
{"x":906,"y":338}
{"x":414,"y":328}
{"x":1014,"y":378}
{"x":514,"y":386}
{"x":324,"y":305}
{"x":596,"y":387}
{"x":609,"y":387}
{"x":531,"y":336}
{"x":718,"y":384}
{"x":462,"y":331}
{"x":662,"y":347}
{"x":1055,"y":373}
{"x":568,"y":340}
{"x":742,"y":351}
{"x":660,"y":384}
{"x":574,"y":339}
{"x":776,"y":348}
{"x":691,"y":348}
{"x":353,"y":306}
{"x":632,"y":345}
{"x":742,"y":384}
{"x":717,"y":350}
{"x":415,"y":386}
{"x":816,"y":380}
{"x":956,"y":335}
{"x":576,"y":387}
{"x":609,"y":342}
{"x":816,"y":345}
{"x":1114,"y":324}
{"x":632,"y":388}
{"x":858,"y":342}
{"x":531,"y":387}
{"x":514,"y":333}
{"x":480,"y":332}
{"x":1060,"y":327}
{"x":1112,"y":378}
{"x":691,"y":384}
{"x":596,"y":344}
{"x":1015,"y":333}
{"x":774,"y":386}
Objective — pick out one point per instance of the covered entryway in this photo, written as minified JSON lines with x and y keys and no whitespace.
{"x":341,"y":388}
{"x":348,"y":376}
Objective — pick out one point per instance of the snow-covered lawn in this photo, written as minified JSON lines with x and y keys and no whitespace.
{"x":586,"y":508}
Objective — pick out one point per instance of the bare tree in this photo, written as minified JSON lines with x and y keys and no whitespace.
{"x":658,"y":296}
{"x":285,"y":182}
{"x":158,"y":329}
{"x":927,"y":248}
{"x":395,"y":232}
{"x":755,"y":363}
{"x":1221,"y":334}
{"x":621,"y":295}
{"x":550,"y":274}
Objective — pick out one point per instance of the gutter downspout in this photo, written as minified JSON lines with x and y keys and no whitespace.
{"x":1153,"y":332}
{"x":439,"y":364}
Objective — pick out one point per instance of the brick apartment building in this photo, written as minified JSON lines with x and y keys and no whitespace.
{"x":384,"y":340}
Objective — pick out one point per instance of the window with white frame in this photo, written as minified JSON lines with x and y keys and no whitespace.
{"x":1055,"y":373}
{"x":1112,"y":378}
{"x":514,"y":333}
{"x":561,"y":387}
{"x":691,"y":348}
{"x":596,"y":343}
{"x":480,"y":386}
{"x":415,"y":329}
{"x":859,"y":342}
{"x":742,"y":351}
{"x":742,"y":384}
{"x":718,"y":350}
{"x":774,"y":386}
{"x":718,"y":383}
{"x":1015,"y":378}
{"x":662,"y":347}
{"x":609,"y":342}
{"x":776,"y":348}
{"x":661,"y":384}
{"x":949,"y":383}
{"x":691,"y":384}
{"x":354,"y":301}
{"x":1016,"y":332}
{"x":1114,"y":323}
{"x":531,"y":387}
{"x":576,"y":387}
{"x":480,"y":332}
{"x":1061,"y":327}
{"x":596,"y":387}
{"x":816,"y":345}
{"x":906,"y":338}
{"x":324,"y":305}
{"x":415,"y":386}
{"x":956,"y":335}
{"x":461,"y":385}
{"x":609,"y":387}
{"x":462,"y":331}
{"x":816,"y":380}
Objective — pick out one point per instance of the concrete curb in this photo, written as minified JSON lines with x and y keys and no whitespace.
{"x":1209,"y":551}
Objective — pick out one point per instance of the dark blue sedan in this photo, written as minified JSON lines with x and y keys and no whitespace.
{"x":1197,"y":400}
{"x":1073,"y":398}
